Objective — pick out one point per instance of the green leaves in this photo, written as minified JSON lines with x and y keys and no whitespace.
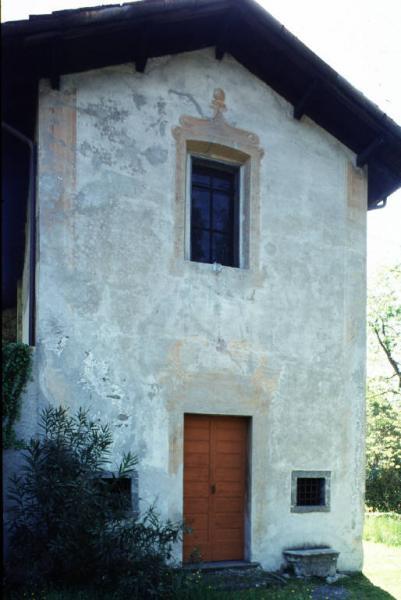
{"x":383,"y":441}
{"x":16,"y":370}
{"x":383,"y":454}
{"x":127,"y":465}
{"x":384,"y":329}
{"x":72,"y":522}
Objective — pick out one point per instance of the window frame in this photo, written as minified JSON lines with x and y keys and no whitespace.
{"x":240,"y":208}
{"x":307,"y":508}
{"x":237,"y":170}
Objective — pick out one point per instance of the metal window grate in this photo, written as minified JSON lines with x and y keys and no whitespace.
{"x":311,"y":491}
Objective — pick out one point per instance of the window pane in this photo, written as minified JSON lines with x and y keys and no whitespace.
{"x":200,"y":245}
{"x":222,"y":212}
{"x":214,"y":213}
{"x":199,"y":175}
{"x":200,"y":213}
{"x":223,"y":181}
{"x":221,"y":249}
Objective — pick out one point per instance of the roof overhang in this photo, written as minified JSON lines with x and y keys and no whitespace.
{"x":48,"y":46}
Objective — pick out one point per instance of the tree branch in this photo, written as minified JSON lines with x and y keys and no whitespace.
{"x":387,"y":352}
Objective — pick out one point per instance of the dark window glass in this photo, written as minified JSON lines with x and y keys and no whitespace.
{"x":221,"y":220}
{"x":311,"y":491}
{"x":117,"y":492}
{"x":201,"y":208}
{"x":200,"y":245}
{"x":214,"y":213}
{"x":201,"y":176}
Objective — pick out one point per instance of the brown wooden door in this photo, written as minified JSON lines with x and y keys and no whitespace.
{"x":215,"y":450}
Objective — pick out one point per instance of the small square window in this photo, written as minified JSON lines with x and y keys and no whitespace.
{"x":214,"y":207}
{"x":118,"y":493}
{"x":310,"y":491}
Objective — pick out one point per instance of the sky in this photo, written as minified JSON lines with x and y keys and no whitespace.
{"x":358,"y":38}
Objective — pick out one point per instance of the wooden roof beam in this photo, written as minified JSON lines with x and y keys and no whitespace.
{"x":223,"y":41}
{"x":55,"y":65}
{"x":140,"y":64}
{"x":363,"y":157}
{"x":300,"y":106}
{"x":141,"y":55}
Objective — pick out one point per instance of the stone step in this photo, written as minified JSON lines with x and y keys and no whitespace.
{"x":221,"y":565}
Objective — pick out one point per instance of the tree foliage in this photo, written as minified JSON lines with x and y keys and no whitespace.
{"x":383,"y":482}
{"x":70,"y":524}
{"x":384,"y":319}
{"x":16,"y":369}
{"x":383,"y":478}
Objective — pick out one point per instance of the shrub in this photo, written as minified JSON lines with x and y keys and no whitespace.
{"x":70,"y":526}
{"x":16,"y":368}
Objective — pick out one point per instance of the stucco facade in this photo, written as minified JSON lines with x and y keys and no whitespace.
{"x":130,"y":328}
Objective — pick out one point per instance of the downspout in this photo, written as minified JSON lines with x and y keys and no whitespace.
{"x":31,"y":202}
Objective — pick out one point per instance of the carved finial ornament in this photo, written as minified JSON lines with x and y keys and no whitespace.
{"x":218,"y":102}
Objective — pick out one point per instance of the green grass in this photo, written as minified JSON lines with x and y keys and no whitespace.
{"x":359,"y":587}
{"x":380,"y":579}
{"x":383,"y":528}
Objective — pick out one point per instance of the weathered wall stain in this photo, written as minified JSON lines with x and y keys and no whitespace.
{"x":130,"y":329}
{"x":190,"y":98}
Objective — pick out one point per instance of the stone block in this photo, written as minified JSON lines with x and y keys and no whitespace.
{"x":307,"y":562}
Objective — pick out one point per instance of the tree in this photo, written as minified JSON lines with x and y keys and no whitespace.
{"x":384,"y":319}
{"x":383,"y":443}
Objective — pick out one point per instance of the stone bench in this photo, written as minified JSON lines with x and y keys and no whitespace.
{"x":307,"y":562}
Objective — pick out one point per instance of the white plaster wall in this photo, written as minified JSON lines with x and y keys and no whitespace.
{"x":125,"y":329}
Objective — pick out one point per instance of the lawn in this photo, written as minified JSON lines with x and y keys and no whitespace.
{"x":384,"y":528}
{"x":380,"y":580}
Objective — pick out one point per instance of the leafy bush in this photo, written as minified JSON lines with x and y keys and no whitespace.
{"x":70,"y":525}
{"x":16,"y":368}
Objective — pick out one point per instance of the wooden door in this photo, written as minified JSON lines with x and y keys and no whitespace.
{"x":215,"y":451}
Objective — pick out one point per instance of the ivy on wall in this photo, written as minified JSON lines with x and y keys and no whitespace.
{"x":16,"y":370}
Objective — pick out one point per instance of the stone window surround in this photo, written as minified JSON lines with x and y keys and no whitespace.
{"x":214,"y":139}
{"x":326,"y":475}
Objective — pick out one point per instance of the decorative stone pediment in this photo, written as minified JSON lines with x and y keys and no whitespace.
{"x":215,"y":139}
{"x":217,"y":130}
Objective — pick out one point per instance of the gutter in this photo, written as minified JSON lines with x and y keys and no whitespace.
{"x":380,"y":204}
{"x":31,"y":203}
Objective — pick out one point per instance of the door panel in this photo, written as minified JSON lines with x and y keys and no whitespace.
{"x":215,"y":450}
